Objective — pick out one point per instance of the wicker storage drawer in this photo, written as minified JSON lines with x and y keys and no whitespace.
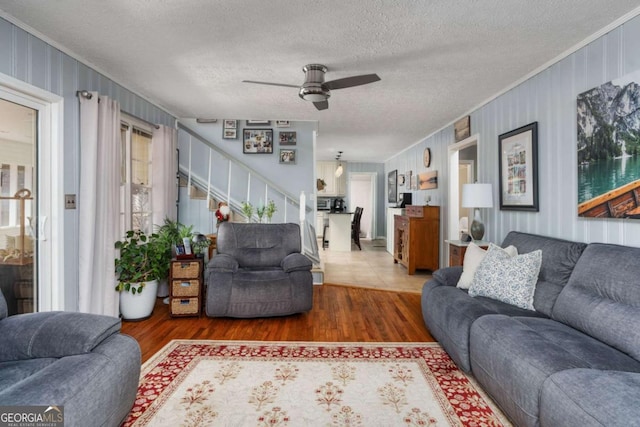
{"x":185,"y":269}
{"x":185,"y":306}
{"x":185,"y":288}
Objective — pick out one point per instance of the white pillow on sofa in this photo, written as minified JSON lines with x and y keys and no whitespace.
{"x":472,"y":259}
{"x":511,"y":280}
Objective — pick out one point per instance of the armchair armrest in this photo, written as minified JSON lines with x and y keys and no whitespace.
{"x":296,"y":262}
{"x":448,"y":276}
{"x":53,"y":334}
{"x":223,"y":263}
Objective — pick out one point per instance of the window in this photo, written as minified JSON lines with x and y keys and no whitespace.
{"x":135,"y":176}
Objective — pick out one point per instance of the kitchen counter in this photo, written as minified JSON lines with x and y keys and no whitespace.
{"x":340,"y":231}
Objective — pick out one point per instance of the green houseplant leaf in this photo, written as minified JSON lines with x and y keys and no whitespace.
{"x":142,"y":259}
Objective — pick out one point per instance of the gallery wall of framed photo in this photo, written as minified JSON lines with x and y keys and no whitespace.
{"x":279,"y":149}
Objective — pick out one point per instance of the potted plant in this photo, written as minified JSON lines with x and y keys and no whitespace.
{"x":141,"y":263}
{"x":271,"y":209}
{"x":247,"y":210}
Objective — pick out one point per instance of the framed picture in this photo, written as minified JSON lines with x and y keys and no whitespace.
{"x":288,"y":138}
{"x":462,"y":129}
{"x":283,"y":123}
{"x":288,"y":156}
{"x":230,"y":124}
{"x":392,"y":186}
{"x":608,"y":148}
{"x":518,"y":166}
{"x":258,"y":122}
{"x":257,"y":141}
{"x":229,"y":133}
{"x":428,"y":180}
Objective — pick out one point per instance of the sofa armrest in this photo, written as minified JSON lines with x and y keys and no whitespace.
{"x":448,"y":276}
{"x":223,"y":263}
{"x":296,"y":262}
{"x":53,"y":334}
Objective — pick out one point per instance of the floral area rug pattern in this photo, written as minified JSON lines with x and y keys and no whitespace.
{"x":286,"y":384}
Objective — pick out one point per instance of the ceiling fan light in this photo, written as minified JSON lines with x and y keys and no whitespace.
{"x":314,"y":97}
{"x":339,"y":171}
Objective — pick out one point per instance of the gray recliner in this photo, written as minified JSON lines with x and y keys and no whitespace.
{"x":258,"y":271}
{"x":75,"y":360}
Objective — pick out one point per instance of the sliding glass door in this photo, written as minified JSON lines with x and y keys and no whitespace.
{"x":18,"y":206}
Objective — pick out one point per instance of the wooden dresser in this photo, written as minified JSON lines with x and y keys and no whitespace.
{"x":185,"y":287}
{"x":416,"y":238}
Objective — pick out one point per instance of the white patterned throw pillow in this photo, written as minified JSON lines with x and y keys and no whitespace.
{"x":472,"y":259}
{"x":511,"y":280}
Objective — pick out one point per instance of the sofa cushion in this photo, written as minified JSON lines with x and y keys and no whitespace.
{"x":17,"y":370}
{"x":449,"y":312}
{"x":602,"y":298}
{"x":568,"y":398}
{"x":3,"y":307}
{"x":258,"y":245}
{"x":508,"y":279}
{"x":53,"y":334}
{"x":558,"y":260}
{"x":513,"y":356}
{"x":472,"y":259}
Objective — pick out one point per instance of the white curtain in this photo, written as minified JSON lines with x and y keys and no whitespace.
{"x":98,"y":203}
{"x":164,"y":170}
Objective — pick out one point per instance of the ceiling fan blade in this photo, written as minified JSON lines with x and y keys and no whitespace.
{"x":270,"y":84}
{"x":321,"y":105}
{"x":351,"y":81}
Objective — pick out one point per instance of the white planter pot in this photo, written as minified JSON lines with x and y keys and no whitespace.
{"x":139,"y":306}
{"x":163,"y":288}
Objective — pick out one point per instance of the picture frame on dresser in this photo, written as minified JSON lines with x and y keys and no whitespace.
{"x":518,"y":168}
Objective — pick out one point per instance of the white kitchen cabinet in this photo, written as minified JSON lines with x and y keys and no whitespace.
{"x":321,"y":217}
{"x":335,"y":187}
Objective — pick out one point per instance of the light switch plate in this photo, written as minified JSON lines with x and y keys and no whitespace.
{"x":69,"y":201}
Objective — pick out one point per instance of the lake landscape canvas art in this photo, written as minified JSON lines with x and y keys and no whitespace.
{"x":608,"y":149}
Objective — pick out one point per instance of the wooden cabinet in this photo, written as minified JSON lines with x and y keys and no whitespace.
{"x":185,"y":287}
{"x":334,"y":186}
{"x":457,"y":249}
{"x":416,"y":237}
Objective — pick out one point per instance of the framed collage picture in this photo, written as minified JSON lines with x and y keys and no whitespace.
{"x":257,"y":141}
{"x":518,"y":166}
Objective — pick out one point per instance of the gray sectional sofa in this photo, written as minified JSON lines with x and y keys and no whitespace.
{"x":75,"y":360}
{"x":575,"y":360}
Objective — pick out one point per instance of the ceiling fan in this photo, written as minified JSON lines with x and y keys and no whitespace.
{"x":316,"y":90}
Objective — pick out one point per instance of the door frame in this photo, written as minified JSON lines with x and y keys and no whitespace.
{"x":454,"y":161}
{"x":373,"y":178}
{"x":49,"y":163}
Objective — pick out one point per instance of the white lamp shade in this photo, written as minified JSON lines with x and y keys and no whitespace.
{"x":477,"y":196}
{"x":339,"y":171}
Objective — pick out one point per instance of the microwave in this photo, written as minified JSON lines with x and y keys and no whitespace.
{"x":323,"y":204}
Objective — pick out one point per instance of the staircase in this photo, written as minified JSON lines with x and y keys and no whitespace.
{"x":208,"y":175}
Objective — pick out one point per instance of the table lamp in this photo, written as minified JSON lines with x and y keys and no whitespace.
{"x":477,"y":196}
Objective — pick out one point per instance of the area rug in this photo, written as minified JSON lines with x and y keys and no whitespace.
{"x":233,"y":383}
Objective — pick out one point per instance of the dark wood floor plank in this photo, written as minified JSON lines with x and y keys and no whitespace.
{"x":340,"y":314}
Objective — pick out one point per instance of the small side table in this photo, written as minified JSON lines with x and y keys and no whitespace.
{"x":185,"y":287}
{"x":457,"y":249}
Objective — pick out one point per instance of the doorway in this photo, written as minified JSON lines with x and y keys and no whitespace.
{"x":362,"y":190}
{"x":30,"y":182}
{"x":463,"y":158}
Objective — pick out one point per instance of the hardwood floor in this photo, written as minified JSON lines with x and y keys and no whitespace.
{"x":339,"y":314}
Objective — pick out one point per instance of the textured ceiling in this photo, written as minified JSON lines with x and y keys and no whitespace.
{"x":437,"y":59}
